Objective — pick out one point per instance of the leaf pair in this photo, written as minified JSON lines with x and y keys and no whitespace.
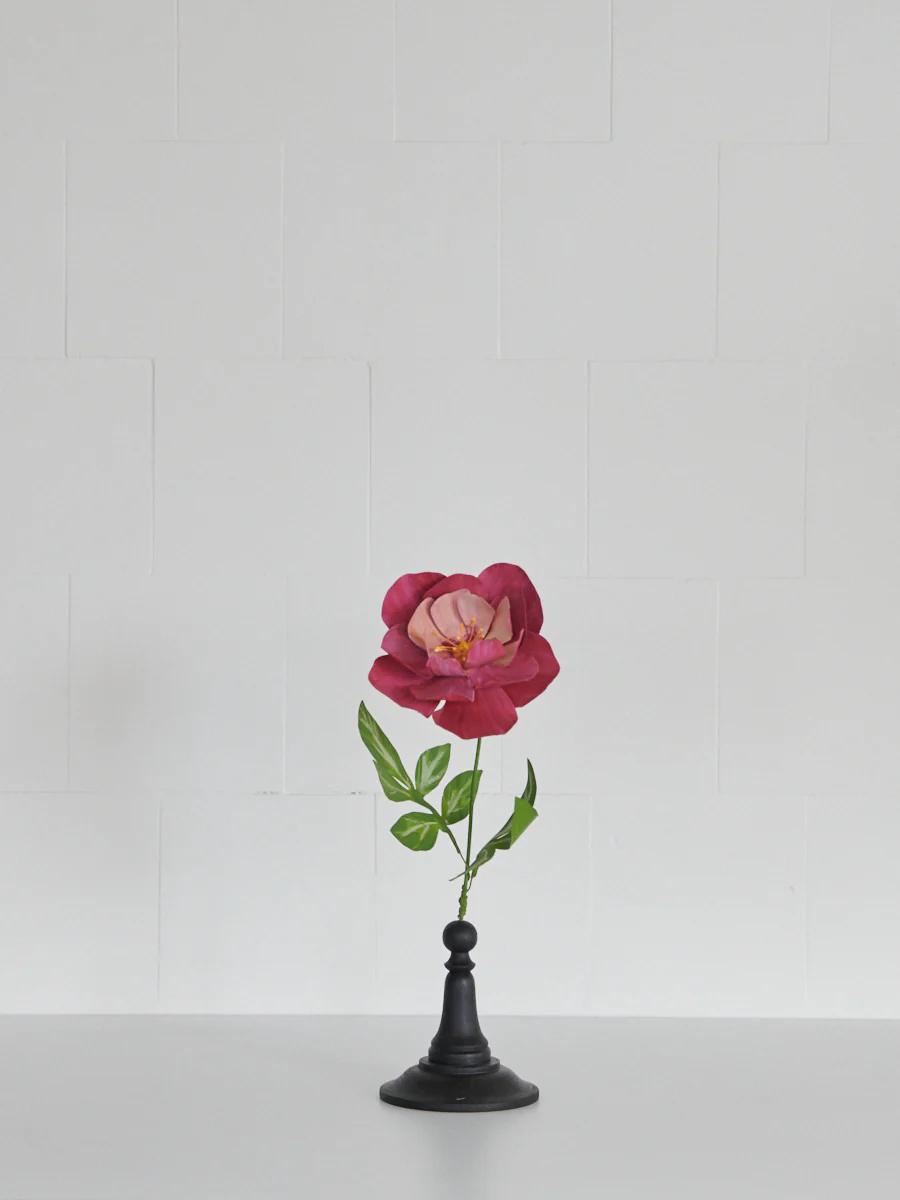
{"x":417,"y":830}
{"x":395,"y":781}
{"x":392,"y":775}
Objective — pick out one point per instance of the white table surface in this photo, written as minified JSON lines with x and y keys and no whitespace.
{"x":211,"y":1108}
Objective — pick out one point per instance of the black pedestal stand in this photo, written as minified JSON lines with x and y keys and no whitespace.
{"x":458,"y":1074}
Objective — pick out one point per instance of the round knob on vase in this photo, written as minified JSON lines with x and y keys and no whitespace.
{"x":460,"y":937}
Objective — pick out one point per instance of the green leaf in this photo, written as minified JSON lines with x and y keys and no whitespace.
{"x":529,"y":792}
{"x":431,"y":768}
{"x":457,"y":798}
{"x":523,"y":814}
{"x":417,"y":831}
{"x":386,"y":759}
{"x":394,"y":789}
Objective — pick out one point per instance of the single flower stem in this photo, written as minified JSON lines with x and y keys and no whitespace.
{"x":446,"y":828}
{"x":464,"y":893}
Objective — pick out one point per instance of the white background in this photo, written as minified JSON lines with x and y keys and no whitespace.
{"x":298,"y":295}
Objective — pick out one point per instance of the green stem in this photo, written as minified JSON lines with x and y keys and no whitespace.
{"x":446,"y":828}
{"x":464,"y":893}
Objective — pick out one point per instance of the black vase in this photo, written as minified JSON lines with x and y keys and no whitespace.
{"x":458,"y":1074}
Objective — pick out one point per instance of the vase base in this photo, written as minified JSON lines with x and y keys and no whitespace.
{"x":433,"y":1090}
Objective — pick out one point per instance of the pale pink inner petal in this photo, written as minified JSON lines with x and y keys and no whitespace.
{"x":474,"y":611}
{"x":422,"y":629}
{"x":446,"y":616}
{"x":501,"y":627}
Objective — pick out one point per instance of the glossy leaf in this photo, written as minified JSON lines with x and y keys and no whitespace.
{"x":387,"y":760}
{"x":529,"y":792}
{"x":394,"y":789}
{"x":417,"y":830}
{"x":431,"y":768}
{"x":457,"y":798}
{"x":523,"y":814}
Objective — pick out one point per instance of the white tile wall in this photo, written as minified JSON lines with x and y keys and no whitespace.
{"x":854,"y":905}
{"x":334,"y":632}
{"x":697,"y":469}
{"x":865,"y":100}
{"x":699,"y":905}
{"x":75,"y":469}
{"x":261,"y":466}
{"x":98,"y":68}
{"x":78,"y":890}
{"x":177,"y":682}
{"x":465,"y":412}
{"x":608,"y":251}
{"x":34,"y":685}
{"x":253,"y":888}
{"x":312,"y":69}
{"x":298,"y":296}
{"x":853,"y":484}
{"x":702,"y":70}
{"x":174,"y":248}
{"x":489,"y":69}
{"x":810,"y":686}
{"x":634,"y":710}
{"x":390,"y":249}
{"x":809,"y":252}
{"x":32,"y":248}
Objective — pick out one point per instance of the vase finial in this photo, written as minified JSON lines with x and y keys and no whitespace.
{"x":460,"y":937}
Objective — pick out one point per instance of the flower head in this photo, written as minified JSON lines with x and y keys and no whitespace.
{"x":465,"y":650}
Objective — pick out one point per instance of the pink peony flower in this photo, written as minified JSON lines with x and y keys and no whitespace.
{"x":464,"y":650}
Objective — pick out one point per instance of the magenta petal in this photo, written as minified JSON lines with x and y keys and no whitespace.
{"x":506,"y":579}
{"x":444,"y":664}
{"x":445,"y":687}
{"x":511,"y":649}
{"x":537,"y":647}
{"x":483,"y":653}
{"x":523,"y":669}
{"x":491,"y":712}
{"x":394,"y":681}
{"x":453,"y":583}
{"x":398,"y":646}
{"x":403,"y":596}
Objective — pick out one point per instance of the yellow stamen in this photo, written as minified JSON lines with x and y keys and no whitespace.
{"x":460,"y":647}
